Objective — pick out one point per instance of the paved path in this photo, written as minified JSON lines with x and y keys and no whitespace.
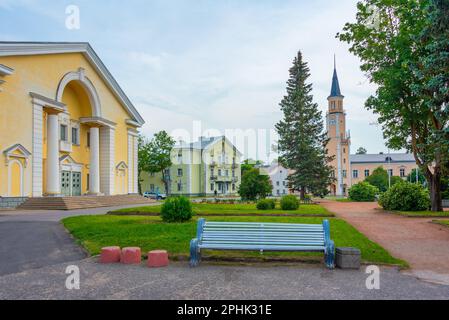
{"x":117,"y":281}
{"x":424,"y":245}
{"x":33,"y":239}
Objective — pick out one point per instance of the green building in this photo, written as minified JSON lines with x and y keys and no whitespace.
{"x":202,"y":168}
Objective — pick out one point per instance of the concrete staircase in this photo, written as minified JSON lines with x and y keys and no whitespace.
{"x":82,"y":202}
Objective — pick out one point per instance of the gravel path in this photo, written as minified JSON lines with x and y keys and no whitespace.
{"x":424,"y":245}
{"x":178,"y":281}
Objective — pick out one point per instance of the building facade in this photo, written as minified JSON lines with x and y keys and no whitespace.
{"x":396,"y":164}
{"x":66,"y":126}
{"x":202,"y":168}
{"x":278,"y":177}
{"x":353,"y":168}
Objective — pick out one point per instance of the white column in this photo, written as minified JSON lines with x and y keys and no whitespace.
{"x":38,"y":133}
{"x":53,"y":181}
{"x":135,"y":163}
{"x":94,"y":166}
{"x":130,"y":163}
{"x":107,"y":160}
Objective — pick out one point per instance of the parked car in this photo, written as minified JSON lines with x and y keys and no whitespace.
{"x":154,"y":195}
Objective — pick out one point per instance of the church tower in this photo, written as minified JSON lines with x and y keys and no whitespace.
{"x":339,"y":139}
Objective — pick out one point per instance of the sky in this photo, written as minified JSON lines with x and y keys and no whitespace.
{"x":213,"y":65}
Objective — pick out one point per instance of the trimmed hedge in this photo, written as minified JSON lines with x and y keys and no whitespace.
{"x":363,"y":191}
{"x":176,"y":209}
{"x":406,"y":196}
{"x":266,"y":204}
{"x":289,"y":202}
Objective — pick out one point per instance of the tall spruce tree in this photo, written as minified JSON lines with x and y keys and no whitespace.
{"x":302,"y":139}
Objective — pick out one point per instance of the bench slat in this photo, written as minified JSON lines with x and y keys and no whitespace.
{"x":262,"y":247}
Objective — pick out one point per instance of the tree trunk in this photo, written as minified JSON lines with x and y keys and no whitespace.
{"x":303,"y":193}
{"x":435,"y":190}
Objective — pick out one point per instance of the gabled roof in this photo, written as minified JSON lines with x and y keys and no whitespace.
{"x":40,"y":48}
{"x":17,"y":147}
{"x":382,"y":158}
{"x":203,"y":143}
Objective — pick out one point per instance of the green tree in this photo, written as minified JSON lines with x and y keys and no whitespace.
{"x":363,"y":191}
{"x":394,"y":39}
{"x":379,"y":179}
{"x":302,"y":139}
{"x":254,"y":185}
{"x":249,"y":164}
{"x":143,"y":154}
{"x":158,"y":157}
{"x":411,"y":177}
{"x":361,"y":150}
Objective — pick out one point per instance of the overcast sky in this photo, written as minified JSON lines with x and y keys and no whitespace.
{"x":224,"y":63}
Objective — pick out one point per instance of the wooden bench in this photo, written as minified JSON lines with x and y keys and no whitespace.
{"x":262,"y":237}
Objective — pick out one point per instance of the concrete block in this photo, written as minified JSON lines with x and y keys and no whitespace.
{"x":157,"y":258}
{"x":131,"y":255}
{"x":110,"y":255}
{"x":347,"y":258}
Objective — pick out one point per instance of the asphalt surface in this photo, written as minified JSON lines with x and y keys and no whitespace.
{"x":178,"y":281}
{"x":35,"y":239}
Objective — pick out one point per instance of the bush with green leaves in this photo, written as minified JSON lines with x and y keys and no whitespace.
{"x":266,"y":204}
{"x":405,"y":196}
{"x":363,"y":191}
{"x":289,"y":202}
{"x":176,"y":209}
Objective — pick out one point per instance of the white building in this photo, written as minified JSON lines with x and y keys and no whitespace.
{"x":278,"y":176}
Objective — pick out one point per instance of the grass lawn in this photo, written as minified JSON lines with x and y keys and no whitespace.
{"x":442,"y":222}
{"x":242,"y":209}
{"x":94,"y":232}
{"x":421,"y":214}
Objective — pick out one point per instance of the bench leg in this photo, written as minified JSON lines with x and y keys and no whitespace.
{"x":195,"y":254}
{"x":330,"y":255}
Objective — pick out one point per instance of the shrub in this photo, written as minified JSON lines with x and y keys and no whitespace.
{"x":289,"y":202}
{"x":176,"y":209}
{"x":405,"y":196}
{"x":363,"y":191}
{"x":266,"y":204}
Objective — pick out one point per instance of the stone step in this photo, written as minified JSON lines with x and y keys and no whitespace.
{"x":81,"y":202}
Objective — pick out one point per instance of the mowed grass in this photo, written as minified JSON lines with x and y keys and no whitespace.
{"x":442,"y":222}
{"x":421,"y":214}
{"x":223,"y":209}
{"x":149,"y":233}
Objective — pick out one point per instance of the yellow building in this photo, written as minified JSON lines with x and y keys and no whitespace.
{"x":66,"y":126}
{"x":350,"y":169}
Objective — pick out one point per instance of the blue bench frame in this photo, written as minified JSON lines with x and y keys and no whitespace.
{"x":278,"y":241}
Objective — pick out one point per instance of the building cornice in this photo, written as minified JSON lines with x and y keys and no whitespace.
{"x":46,"y":102}
{"x":5,"y":71}
{"x":98,"y":121}
{"x":40,"y":48}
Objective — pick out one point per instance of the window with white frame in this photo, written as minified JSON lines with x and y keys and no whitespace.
{"x":179,"y":172}
{"x":63,"y":134}
{"x":402,"y":172}
{"x":75,"y":136}
{"x":355,"y":173}
{"x":366,"y":172}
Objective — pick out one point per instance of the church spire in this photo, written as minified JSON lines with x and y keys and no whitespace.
{"x":335,"y":90}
